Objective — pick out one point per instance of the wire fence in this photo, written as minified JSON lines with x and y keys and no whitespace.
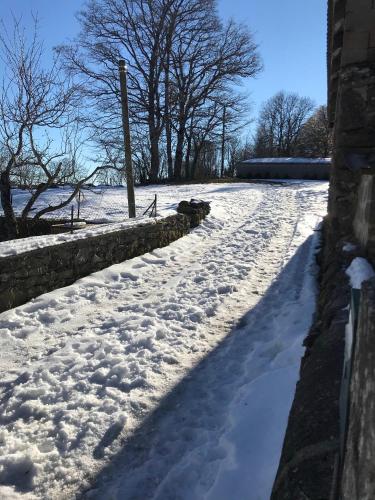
{"x":97,"y":205}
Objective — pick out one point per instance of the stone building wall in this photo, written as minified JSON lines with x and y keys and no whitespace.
{"x":27,"y":275}
{"x":352,"y":214}
{"x":358,"y":478}
{"x":351,"y":64}
{"x":351,"y":82}
{"x":364,"y":220}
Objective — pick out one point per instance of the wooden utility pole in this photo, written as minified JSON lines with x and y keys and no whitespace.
{"x":223,"y":142}
{"x":127,"y":142}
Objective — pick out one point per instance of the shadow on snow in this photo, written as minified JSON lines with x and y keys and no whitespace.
{"x":189,"y":420}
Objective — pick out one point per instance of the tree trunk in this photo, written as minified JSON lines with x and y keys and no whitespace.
{"x":187,"y":159}
{"x":179,"y":153}
{"x":154,"y":131}
{"x":155,"y":159}
{"x":11,"y":226}
{"x":195,"y":162}
{"x":223,"y":144}
{"x":168,"y":128}
{"x":168,"y":131}
{"x":188,"y":150}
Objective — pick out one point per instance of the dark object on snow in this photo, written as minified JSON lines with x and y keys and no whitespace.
{"x":195,"y":209}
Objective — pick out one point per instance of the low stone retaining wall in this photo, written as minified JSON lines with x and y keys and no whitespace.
{"x":27,"y":275}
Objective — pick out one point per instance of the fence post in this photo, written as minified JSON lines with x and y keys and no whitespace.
{"x":127,"y":142}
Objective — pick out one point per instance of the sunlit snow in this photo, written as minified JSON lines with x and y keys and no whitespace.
{"x":171,"y":375}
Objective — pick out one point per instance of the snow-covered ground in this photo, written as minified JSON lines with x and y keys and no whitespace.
{"x":105,"y":210}
{"x":171,"y":375}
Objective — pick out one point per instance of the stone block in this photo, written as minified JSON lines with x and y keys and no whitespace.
{"x":352,"y":114}
{"x":359,"y":15}
{"x":355,"y":39}
{"x":355,"y":46}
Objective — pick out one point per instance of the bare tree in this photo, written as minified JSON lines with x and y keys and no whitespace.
{"x":134,"y":30}
{"x":315,"y":138}
{"x":235,"y":121}
{"x":207,"y":127}
{"x":207,"y":61}
{"x":279,"y":125}
{"x":179,"y":54}
{"x":38,"y":126}
{"x":234,"y":153}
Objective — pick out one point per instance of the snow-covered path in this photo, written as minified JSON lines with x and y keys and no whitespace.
{"x":171,"y":375}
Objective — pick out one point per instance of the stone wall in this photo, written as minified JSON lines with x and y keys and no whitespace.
{"x":358,"y":479}
{"x":29,"y":274}
{"x":351,"y":69}
{"x":311,"y":465}
{"x":364,"y":220}
{"x":352,"y":214}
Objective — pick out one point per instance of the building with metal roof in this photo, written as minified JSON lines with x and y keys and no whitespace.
{"x":285,"y":168}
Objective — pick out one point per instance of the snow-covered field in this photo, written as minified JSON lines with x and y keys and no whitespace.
{"x":97,"y":204}
{"x":104,"y":208}
{"x":169,"y":376}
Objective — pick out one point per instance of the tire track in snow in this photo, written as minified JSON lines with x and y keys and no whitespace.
{"x":179,"y":452}
{"x":45,"y":321}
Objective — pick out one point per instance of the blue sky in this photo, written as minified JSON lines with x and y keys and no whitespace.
{"x":292,"y":38}
{"x":291,"y":35}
